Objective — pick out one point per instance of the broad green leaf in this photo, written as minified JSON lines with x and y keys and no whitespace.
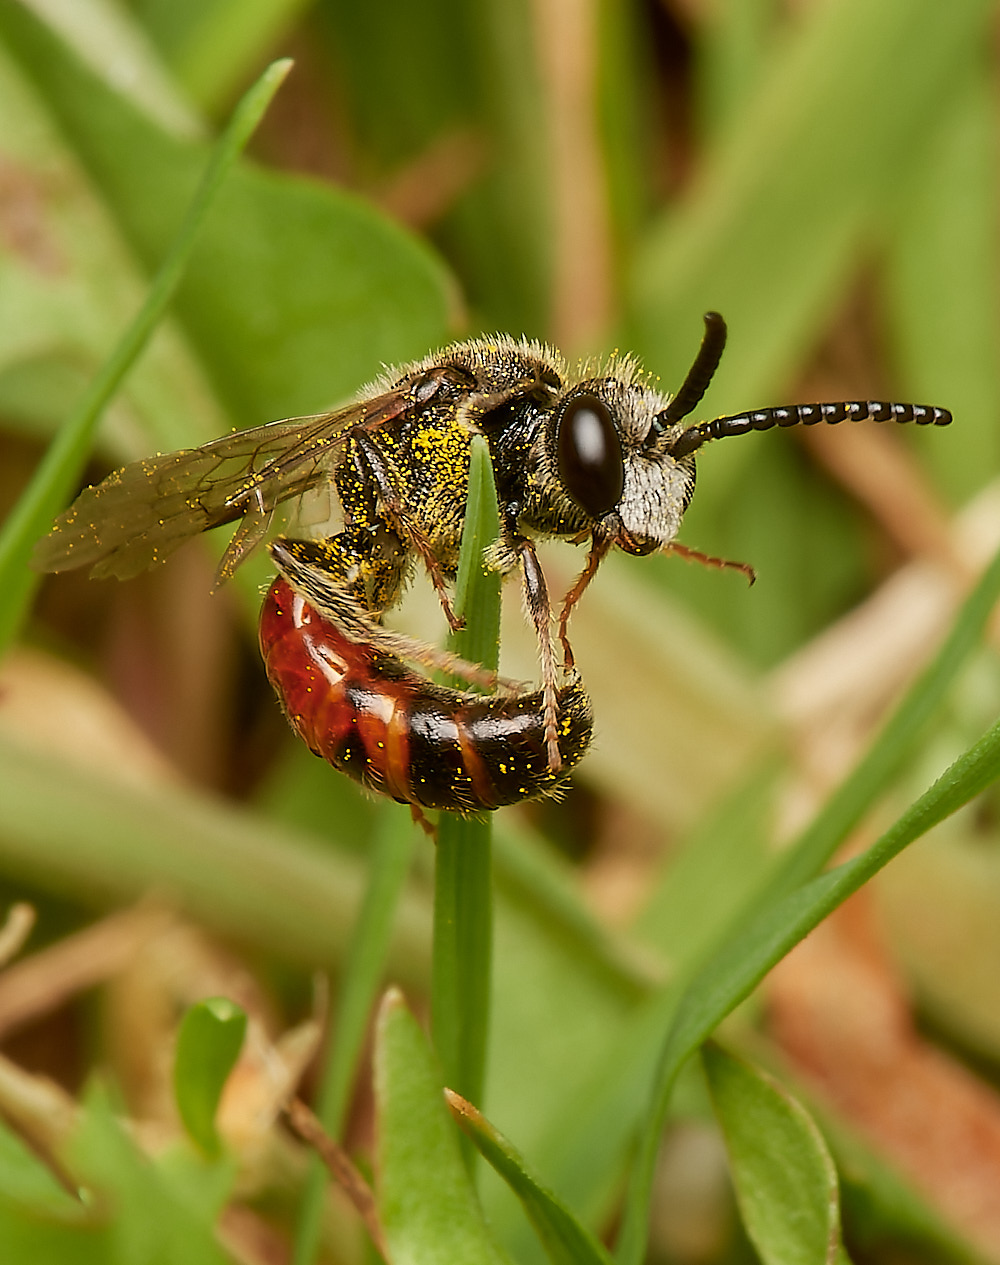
{"x":786,"y":1183}
{"x":71,"y":286}
{"x":208,"y":1044}
{"x":296,"y":292}
{"x":415,"y":77}
{"x":566,"y":1242}
{"x":427,"y":1205}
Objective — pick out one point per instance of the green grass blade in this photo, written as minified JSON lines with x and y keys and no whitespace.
{"x":746,"y":959}
{"x":208,"y":1044}
{"x":463,"y":896}
{"x":886,"y":755}
{"x":363,"y":967}
{"x":787,"y":912}
{"x":59,"y":469}
{"x":477,"y":589}
{"x":565,"y":1240}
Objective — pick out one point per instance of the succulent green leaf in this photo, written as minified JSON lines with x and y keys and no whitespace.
{"x":427,"y":1206}
{"x":785,"y":1179}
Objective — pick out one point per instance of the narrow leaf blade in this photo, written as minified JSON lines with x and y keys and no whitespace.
{"x":565,"y":1240}
{"x":60,"y":467}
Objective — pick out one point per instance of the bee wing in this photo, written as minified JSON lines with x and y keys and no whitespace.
{"x":143,"y":512}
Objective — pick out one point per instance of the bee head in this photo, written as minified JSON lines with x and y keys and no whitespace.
{"x":619,"y":449}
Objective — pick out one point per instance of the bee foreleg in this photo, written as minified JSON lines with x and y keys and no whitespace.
{"x":707,"y":560}
{"x":599,"y":547}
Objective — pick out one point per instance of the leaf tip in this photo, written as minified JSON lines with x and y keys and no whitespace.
{"x":392,"y":1000}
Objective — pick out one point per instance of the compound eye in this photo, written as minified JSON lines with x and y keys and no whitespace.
{"x":589,"y":455}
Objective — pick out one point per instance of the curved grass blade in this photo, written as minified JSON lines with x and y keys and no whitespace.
{"x":565,"y":1240}
{"x":59,"y":469}
{"x":786,"y":914}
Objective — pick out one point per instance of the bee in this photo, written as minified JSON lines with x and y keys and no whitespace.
{"x":596,"y":455}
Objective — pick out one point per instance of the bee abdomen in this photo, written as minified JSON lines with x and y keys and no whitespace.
{"x":397,"y":733}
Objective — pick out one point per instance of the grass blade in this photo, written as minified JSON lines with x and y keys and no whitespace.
{"x":787,"y":912}
{"x":59,"y":469}
{"x":463,"y":896}
{"x":426,"y":1203}
{"x":565,"y":1240}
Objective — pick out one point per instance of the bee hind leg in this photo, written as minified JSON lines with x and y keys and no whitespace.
{"x":393,"y":506}
{"x":319,"y":572}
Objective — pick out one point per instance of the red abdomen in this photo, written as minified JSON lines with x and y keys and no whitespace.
{"x":397,"y":733}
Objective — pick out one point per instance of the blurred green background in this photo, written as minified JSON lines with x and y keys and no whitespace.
{"x":596,"y":174}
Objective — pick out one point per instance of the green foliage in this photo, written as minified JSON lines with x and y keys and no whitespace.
{"x":784,"y":1175}
{"x":60,"y":471}
{"x":828,"y":182}
{"x":209,"y":1040}
{"x":427,"y":1204}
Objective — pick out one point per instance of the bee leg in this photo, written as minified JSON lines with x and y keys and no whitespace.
{"x":402,"y":522}
{"x":329,"y":579}
{"x":536,"y":598}
{"x":599,"y":547}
